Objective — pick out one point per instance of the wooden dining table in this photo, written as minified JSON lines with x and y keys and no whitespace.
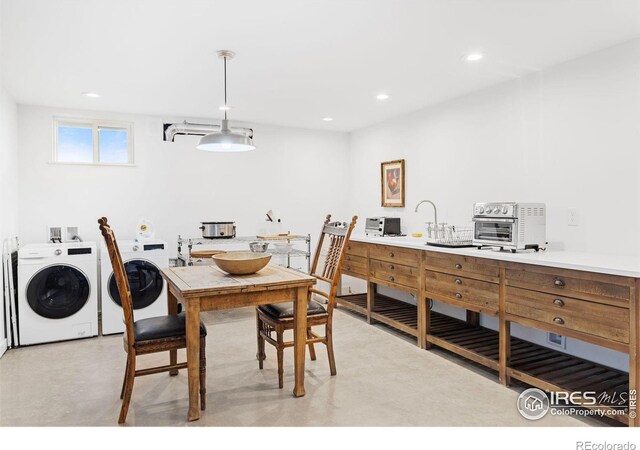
{"x":205,"y":288}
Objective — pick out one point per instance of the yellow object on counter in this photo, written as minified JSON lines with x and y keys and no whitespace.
{"x":416,"y":235}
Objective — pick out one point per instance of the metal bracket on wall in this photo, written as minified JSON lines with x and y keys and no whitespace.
{"x":184,"y":128}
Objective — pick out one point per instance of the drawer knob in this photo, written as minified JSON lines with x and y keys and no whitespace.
{"x":391,"y":266}
{"x":558,"y":282}
{"x":348,"y":258}
{"x":458,"y":266}
{"x":558,"y":302}
{"x":348,"y":268}
{"x":558,"y":320}
{"x":458,"y":295}
{"x":458,"y":281}
{"x":348,"y":247}
{"x":391,"y":255}
{"x":392,"y":279}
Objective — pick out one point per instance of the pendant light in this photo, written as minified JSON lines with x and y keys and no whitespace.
{"x":226,"y":140}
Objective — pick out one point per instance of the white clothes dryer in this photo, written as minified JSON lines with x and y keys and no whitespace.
{"x":142,"y":262}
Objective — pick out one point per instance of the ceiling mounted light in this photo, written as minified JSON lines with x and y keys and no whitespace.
{"x":226,"y":140}
{"x":327,"y":119}
{"x":474,"y":57}
{"x":91,"y":94}
{"x":382,"y":96}
{"x":224,"y":108}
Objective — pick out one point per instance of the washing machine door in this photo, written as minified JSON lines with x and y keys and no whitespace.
{"x":59,"y":291}
{"x":145,"y":283}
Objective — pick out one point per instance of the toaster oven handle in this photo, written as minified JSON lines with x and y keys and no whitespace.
{"x":493,"y":219}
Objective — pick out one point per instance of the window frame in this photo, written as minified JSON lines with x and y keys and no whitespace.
{"x":95,"y":125}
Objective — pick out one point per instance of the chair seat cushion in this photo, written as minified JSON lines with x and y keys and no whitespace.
{"x":162,"y":327}
{"x":285,"y":310}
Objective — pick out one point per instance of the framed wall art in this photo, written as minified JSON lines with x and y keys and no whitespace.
{"x":392,"y":181}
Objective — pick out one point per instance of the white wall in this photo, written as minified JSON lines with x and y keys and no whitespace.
{"x":568,"y":136}
{"x":300,"y":174}
{"x":8,"y":179}
{"x":8,"y":182}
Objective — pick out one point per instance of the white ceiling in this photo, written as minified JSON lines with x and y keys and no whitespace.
{"x":297,"y":60}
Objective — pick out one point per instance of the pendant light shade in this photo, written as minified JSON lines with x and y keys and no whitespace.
{"x":226,"y":140}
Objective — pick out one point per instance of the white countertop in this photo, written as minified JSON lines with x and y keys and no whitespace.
{"x":627,"y":266}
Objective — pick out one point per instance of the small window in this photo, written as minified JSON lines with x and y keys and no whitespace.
{"x":92,"y":142}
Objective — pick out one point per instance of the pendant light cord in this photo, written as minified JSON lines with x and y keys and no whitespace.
{"x":225,"y":88}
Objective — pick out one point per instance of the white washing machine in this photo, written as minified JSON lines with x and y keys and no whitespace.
{"x":142,"y":262}
{"x":57,"y":292}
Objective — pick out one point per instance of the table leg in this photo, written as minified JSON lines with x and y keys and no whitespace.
{"x":193,"y":356}
{"x":300,"y":338}
{"x":172,"y":309}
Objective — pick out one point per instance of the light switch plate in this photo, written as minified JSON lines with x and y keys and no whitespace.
{"x":573,"y":217}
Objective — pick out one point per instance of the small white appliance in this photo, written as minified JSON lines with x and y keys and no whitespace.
{"x":510,"y":225}
{"x":142,"y":262}
{"x":382,"y":226}
{"x":57,"y":292}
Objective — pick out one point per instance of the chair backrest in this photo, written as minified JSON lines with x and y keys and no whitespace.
{"x":330,"y":252}
{"x":121,"y":277}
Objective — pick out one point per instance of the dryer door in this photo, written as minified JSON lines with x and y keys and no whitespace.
{"x":56,"y":292}
{"x":145,"y":283}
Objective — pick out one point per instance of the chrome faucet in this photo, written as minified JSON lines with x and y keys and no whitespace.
{"x":435,"y":214}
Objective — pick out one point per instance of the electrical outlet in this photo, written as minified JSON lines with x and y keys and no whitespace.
{"x":573,"y":217}
{"x":557,"y":340}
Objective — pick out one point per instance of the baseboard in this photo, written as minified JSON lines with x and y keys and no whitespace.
{"x":3,"y":347}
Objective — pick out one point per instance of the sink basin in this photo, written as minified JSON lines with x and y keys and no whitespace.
{"x":241,"y":263}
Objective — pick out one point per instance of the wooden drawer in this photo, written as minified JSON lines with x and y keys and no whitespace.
{"x":479,"y":268}
{"x":356,"y":248}
{"x":468,"y":293}
{"x":392,"y":272}
{"x":356,"y":266}
{"x":609,"y":322}
{"x":608,"y":289}
{"x":399,"y":255}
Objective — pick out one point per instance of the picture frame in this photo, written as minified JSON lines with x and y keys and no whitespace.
{"x":392,"y":183}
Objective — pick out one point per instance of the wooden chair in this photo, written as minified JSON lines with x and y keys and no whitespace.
{"x":152,"y":335}
{"x":278,"y":317}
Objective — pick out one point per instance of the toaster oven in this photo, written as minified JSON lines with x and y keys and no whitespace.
{"x":511,"y":226}
{"x":382,"y":226}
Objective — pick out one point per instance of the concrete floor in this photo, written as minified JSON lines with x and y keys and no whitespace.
{"x":383,"y":380}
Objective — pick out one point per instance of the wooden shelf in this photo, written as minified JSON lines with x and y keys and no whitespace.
{"x":533,"y":364}
{"x":475,"y":343}
{"x":394,"y":313}
{"x":356,"y":303}
{"x":551,"y":370}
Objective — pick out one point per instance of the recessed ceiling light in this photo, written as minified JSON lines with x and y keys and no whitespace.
{"x":474,"y":57}
{"x":91,"y":94}
{"x":383,"y":96}
{"x":327,"y":119}
{"x":224,"y":108}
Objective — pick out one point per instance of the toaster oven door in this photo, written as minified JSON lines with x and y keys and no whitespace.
{"x":496,"y":231}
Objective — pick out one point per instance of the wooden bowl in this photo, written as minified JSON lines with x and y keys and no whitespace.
{"x":241,"y":263}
